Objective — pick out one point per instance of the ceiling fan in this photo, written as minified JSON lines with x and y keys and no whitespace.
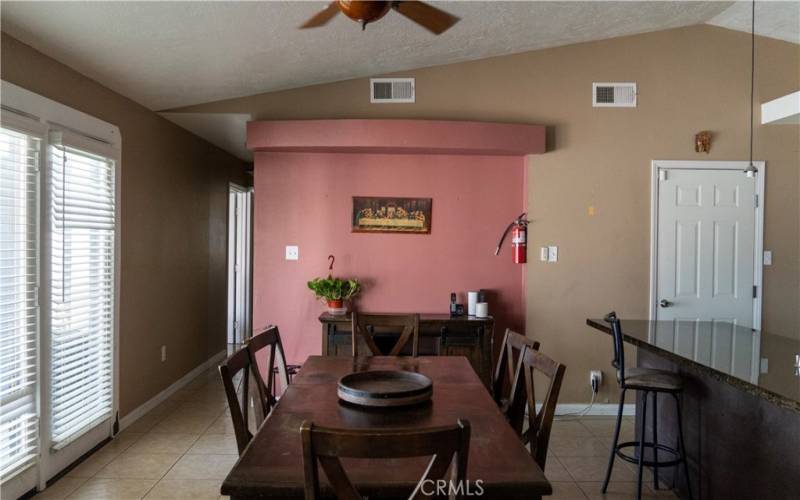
{"x":434,"y":20}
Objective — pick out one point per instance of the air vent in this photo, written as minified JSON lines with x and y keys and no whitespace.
{"x":391,"y":90}
{"x":614,"y":95}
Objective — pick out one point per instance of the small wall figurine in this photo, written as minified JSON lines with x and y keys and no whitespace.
{"x":702,"y":142}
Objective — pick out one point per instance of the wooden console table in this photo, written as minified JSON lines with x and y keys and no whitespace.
{"x":440,"y":335}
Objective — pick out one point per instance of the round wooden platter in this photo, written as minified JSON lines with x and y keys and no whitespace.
{"x":385,"y":388}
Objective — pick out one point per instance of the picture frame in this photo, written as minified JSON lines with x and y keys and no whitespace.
{"x":391,"y":214}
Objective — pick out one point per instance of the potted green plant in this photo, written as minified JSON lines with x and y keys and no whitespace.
{"x":334,"y":291}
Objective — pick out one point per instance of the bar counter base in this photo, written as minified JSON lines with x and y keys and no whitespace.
{"x":739,"y":445}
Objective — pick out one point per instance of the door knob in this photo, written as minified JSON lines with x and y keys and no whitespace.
{"x":665,"y":303}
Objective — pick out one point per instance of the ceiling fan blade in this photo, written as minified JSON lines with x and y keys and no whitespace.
{"x":434,"y":20}
{"x":322,"y":17}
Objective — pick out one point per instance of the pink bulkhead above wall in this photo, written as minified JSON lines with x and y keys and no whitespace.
{"x":396,"y":136}
{"x":306,"y":173}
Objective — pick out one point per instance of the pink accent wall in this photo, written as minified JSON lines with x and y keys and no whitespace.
{"x":305,"y":199}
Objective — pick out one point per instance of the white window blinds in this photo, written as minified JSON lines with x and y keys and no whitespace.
{"x":82,"y":216}
{"x":19,"y":317}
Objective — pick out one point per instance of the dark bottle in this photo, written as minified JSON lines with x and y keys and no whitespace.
{"x":453,"y":308}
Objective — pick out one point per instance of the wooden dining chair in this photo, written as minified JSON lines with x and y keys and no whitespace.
{"x":236,"y":370}
{"x":448,"y":446}
{"x":364,"y":326}
{"x":523,"y":395}
{"x":507,"y":366}
{"x":269,"y":342}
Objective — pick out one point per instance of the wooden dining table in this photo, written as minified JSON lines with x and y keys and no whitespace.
{"x":272,"y":464}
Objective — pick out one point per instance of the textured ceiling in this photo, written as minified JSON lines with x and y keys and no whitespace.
{"x":171,"y":54}
{"x":773,"y":19}
{"x":225,"y":130}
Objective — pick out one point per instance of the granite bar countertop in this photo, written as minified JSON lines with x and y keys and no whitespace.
{"x":755,"y":361}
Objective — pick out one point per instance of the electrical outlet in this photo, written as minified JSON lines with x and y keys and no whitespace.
{"x":163,"y":353}
{"x":595,"y":379}
{"x":292,"y":252}
{"x":767,"y":257}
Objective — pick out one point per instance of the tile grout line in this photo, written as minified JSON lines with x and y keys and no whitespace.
{"x":200,"y":435}
{"x":162,"y":416}
{"x":171,"y":467}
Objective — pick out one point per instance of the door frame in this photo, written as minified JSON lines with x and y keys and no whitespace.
{"x":758,"y":267}
{"x":234,"y":188}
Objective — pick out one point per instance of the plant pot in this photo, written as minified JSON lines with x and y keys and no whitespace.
{"x":337,"y":307}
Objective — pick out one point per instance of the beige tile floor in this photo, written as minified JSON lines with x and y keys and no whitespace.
{"x":577,"y":458}
{"x":185,"y":447}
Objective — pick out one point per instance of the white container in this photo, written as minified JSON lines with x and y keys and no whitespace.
{"x":472,"y":299}
{"x":482,"y":310}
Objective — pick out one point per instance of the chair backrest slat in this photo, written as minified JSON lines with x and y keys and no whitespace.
{"x":448,"y":446}
{"x":270,"y":339}
{"x":619,"y":348}
{"x":508,"y":365}
{"x":363,"y":326}
{"x":540,"y":421}
{"x":238,"y":366}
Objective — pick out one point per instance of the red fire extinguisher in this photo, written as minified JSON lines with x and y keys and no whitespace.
{"x":519,"y":239}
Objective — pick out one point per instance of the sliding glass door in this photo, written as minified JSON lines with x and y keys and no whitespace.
{"x":58,"y":287}
{"x":20,"y":154}
{"x":81,"y":216}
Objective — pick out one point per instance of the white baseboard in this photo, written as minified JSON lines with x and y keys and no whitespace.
{"x":159,"y":398}
{"x":596,"y":409}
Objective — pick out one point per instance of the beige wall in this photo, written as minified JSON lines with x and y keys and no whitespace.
{"x":174,"y":209}
{"x":690,"y":79}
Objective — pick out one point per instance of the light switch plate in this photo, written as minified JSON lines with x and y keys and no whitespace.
{"x":552,"y":254}
{"x":767,"y":257}
{"x":764,"y":365}
{"x":543,"y":254}
{"x":292,"y":252}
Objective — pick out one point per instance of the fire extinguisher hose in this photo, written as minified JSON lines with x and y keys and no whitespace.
{"x":518,"y":220}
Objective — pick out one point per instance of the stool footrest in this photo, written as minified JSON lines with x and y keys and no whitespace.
{"x":650,"y":463}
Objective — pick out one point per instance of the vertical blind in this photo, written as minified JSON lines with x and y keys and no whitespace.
{"x":82,"y":226}
{"x":19,"y":317}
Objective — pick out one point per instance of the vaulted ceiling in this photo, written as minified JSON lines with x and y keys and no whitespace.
{"x":170,"y":54}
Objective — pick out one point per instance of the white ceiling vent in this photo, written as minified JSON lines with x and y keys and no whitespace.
{"x":391,"y":90}
{"x":614,"y":95}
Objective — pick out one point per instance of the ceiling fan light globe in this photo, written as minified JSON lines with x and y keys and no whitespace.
{"x":364,"y":12}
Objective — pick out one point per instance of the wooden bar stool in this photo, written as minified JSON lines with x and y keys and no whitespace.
{"x":648,"y":381}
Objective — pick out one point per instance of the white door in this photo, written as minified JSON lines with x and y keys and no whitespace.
{"x":239,"y":258}
{"x":706,"y":244}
